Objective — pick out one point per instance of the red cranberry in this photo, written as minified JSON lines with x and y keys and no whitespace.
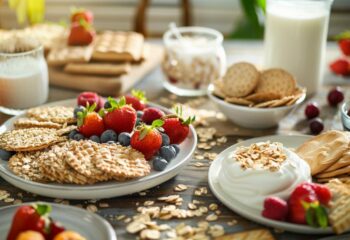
{"x":312,"y":110}
{"x":316,"y":126}
{"x":172,"y":79}
{"x":348,"y":112}
{"x":335,"y":96}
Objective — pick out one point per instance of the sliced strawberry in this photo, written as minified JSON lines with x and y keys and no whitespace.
{"x":89,"y":122}
{"x":120,"y":117}
{"x":81,"y":34}
{"x":176,"y":128}
{"x":275,"y":208}
{"x":147,"y":139}
{"x":137,"y":99}
{"x":340,"y":67}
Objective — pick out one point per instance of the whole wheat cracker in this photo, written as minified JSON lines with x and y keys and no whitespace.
{"x":262,"y":97}
{"x":29,"y":139}
{"x":61,"y":55}
{"x":256,"y":234}
{"x":276,"y":81}
{"x":239,"y":101}
{"x":321,"y":151}
{"x":32,"y":122}
{"x":122,"y":163}
{"x":334,"y":173}
{"x":280,"y":102}
{"x":240,"y":80}
{"x":105,"y":69}
{"x":79,"y":156}
{"x":27,"y":165}
{"x":56,"y":114}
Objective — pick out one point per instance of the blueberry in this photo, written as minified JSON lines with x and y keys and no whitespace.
{"x":109,"y":135}
{"x":165,"y":140}
{"x":107,"y":105}
{"x":72,"y":134}
{"x":110,"y":142}
{"x":139,"y":114}
{"x":95,"y":138}
{"x":176,"y":147}
{"x":159,"y":164}
{"x":78,"y":137}
{"x":138,"y":122}
{"x":124,"y":139}
{"x":5,"y":155}
{"x":167,"y":152}
{"x":78,"y":109}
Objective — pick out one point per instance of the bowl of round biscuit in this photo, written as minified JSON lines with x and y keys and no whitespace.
{"x":256,"y":99}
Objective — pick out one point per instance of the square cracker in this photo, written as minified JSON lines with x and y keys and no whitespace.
{"x":257,"y":234}
{"x":118,"y":46}
{"x":105,"y":69}
{"x":62,"y":55}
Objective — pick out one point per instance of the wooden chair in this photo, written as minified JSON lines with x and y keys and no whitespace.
{"x":140,"y":15}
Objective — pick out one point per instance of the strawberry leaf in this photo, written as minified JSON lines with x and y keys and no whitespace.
{"x":321,"y":216}
{"x":143,"y":132}
{"x":140,"y":95}
{"x":310,"y":217}
{"x":157,"y":123}
{"x":101,"y":113}
{"x":121,"y":102}
{"x":42,"y":209}
{"x":343,"y":35}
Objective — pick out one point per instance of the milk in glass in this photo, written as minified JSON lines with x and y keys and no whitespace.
{"x":295,"y":39}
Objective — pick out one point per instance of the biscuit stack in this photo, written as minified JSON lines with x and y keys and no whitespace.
{"x":328,"y":155}
{"x":44,"y":153}
{"x":244,"y":85}
{"x":110,"y":54}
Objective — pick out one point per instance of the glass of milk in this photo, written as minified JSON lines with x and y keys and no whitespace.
{"x":192,"y":60}
{"x":23,"y":79}
{"x":295,"y":39}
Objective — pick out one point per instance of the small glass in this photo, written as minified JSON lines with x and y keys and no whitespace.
{"x":345,"y":118}
{"x":193,"y":61}
{"x":23,"y":79}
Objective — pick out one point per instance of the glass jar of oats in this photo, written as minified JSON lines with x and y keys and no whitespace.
{"x":193,"y":60}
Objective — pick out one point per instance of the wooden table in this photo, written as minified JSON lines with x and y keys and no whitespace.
{"x":195,"y":177}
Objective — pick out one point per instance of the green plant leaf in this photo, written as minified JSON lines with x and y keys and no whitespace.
{"x":321,"y":217}
{"x":140,"y":95}
{"x":343,"y":35}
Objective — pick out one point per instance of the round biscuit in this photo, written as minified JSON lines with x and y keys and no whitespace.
{"x":240,"y":80}
{"x":276,"y":81}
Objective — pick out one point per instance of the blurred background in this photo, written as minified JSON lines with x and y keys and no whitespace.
{"x":151,"y":17}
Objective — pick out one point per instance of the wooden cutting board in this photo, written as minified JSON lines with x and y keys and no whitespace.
{"x":111,"y":86}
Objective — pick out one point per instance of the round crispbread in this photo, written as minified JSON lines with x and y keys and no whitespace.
{"x":276,"y":81}
{"x":240,"y":80}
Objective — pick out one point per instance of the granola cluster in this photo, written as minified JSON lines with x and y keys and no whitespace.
{"x":262,"y":155}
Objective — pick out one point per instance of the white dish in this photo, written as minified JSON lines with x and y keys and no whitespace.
{"x":89,"y":225}
{"x":100,"y":190}
{"x":289,"y":141}
{"x":256,"y":118}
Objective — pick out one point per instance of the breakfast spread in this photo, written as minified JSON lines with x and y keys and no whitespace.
{"x":121,"y":141}
{"x":33,"y":222}
{"x":252,"y":173}
{"x":244,"y":85}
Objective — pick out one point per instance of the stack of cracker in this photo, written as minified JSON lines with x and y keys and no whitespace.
{"x":43,"y":153}
{"x":244,"y":85}
{"x":328,"y":155}
{"x":339,"y":213}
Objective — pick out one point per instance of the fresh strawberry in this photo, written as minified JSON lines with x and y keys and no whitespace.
{"x":176,"y":127}
{"x":340,"y":67}
{"x":323,"y":193}
{"x":89,"y":122}
{"x":147,"y":139}
{"x":137,"y":99}
{"x":150,"y":114}
{"x":120,"y":117}
{"x":78,"y":14}
{"x":275,"y":208}
{"x":81,"y":34}
{"x":304,"y":207}
{"x":90,"y":98}
{"x":344,"y":45}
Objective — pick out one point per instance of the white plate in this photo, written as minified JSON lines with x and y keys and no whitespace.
{"x":289,"y":141}
{"x":89,"y":225}
{"x":106,"y":189}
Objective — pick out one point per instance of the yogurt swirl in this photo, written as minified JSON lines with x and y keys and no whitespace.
{"x":251,"y":186}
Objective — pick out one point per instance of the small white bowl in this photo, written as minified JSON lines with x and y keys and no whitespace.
{"x":250,"y":117}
